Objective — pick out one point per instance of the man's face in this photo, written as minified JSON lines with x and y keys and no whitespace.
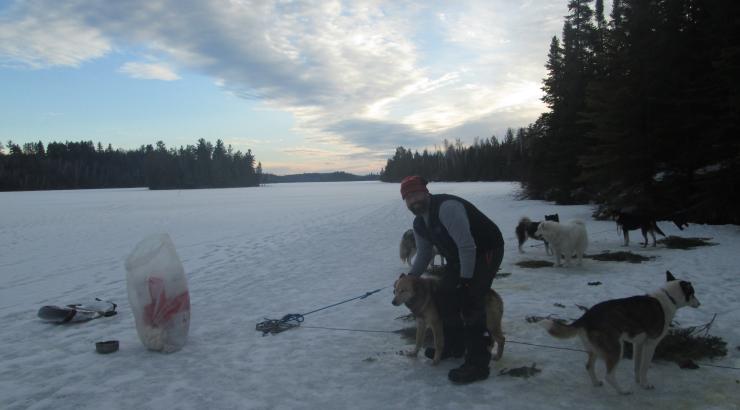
{"x":417,"y":202}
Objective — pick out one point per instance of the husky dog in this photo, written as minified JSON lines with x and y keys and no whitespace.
{"x":641,"y":320}
{"x":418,"y":295}
{"x":407,"y":249}
{"x":630,"y":221}
{"x":526,"y":229}
{"x":566,"y":239}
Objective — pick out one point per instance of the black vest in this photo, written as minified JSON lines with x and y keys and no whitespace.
{"x":485,"y":233}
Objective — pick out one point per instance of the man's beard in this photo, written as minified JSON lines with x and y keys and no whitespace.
{"x":419,"y":208}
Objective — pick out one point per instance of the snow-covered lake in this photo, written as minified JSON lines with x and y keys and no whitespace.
{"x":292,"y":248}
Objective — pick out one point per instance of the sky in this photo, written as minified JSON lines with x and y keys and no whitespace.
{"x":308,"y":86}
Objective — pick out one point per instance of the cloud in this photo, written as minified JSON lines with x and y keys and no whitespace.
{"x":39,"y":35}
{"x":365,"y":75}
{"x":490,"y":125}
{"x":376,"y":134}
{"x":308,"y":151}
{"x":147,"y":71}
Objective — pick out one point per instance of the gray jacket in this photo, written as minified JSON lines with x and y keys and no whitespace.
{"x":454,"y":218}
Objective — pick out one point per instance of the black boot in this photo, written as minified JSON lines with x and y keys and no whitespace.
{"x":468,"y":373}
{"x":477,"y":356}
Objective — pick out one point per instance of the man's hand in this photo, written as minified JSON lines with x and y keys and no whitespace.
{"x":464,"y":283}
{"x":463,"y":291}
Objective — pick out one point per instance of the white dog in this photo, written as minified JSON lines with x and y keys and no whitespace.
{"x":565,"y":239}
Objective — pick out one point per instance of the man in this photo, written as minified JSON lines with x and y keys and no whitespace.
{"x":473,"y":247}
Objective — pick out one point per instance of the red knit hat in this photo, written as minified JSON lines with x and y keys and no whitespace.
{"x":411,"y":184}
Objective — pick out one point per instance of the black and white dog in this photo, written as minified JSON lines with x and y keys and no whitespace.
{"x":526,"y":229}
{"x":631,"y":221}
{"x":641,"y":320}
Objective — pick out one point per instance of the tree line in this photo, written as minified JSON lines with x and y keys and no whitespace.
{"x":485,"y":160}
{"x":83,"y":164}
{"x":337,"y":176}
{"x":643,"y":113}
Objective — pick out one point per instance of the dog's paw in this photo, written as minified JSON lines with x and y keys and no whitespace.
{"x":625,"y":392}
{"x":412,"y":353}
{"x":647,"y":386}
{"x":598,"y":383}
{"x":436,"y":361}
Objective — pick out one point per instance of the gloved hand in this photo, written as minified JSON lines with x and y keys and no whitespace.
{"x":464,"y":291}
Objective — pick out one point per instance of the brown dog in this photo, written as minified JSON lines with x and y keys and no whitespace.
{"x":418,"y":294}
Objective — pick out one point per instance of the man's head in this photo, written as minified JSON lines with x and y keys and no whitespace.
{"x":414,"y":191}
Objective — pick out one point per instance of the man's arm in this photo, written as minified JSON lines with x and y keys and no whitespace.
{"x":424,"y":255}
{"x":454,"y":218}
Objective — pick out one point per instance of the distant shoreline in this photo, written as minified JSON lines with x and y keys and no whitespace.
{"x":317,"y":177}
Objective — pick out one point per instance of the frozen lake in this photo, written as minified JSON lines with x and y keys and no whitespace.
{"x":263,"y":252}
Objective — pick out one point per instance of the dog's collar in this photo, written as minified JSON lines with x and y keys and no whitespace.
{"x":670,"y":297}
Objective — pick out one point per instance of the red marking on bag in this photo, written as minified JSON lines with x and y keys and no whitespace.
{"x":161,"y":309}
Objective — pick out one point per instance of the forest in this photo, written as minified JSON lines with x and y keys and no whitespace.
{"x":83,"y":164}
{"x":642,"y":115}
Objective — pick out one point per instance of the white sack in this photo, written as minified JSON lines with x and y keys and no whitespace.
{"x":158,"y":294}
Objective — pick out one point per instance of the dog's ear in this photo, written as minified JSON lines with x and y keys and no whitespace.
{"x":669,"y":276}
{"x":402,"y":275}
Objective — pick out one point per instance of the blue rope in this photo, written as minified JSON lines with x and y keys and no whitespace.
{"x":291,"y":320}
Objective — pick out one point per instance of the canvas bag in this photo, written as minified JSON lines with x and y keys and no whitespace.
{"x":158,"y":294}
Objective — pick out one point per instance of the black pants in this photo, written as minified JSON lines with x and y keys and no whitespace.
{"x":464,"y":314}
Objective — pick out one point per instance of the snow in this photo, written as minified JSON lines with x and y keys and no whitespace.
{"x":292,"y":248}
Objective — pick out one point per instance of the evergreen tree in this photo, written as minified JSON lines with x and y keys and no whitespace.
{"x":73,"y":165}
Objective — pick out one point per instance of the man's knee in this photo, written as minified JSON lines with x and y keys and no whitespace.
{"x":473,"y":307}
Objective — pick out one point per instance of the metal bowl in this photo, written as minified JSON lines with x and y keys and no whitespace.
{"x":106,"y":347}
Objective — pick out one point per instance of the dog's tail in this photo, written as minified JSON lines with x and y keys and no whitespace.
{"x":658,"y":229}
{"x":521,"y":231}
{"x":680,"y":223}
{"x":559,"y":329}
